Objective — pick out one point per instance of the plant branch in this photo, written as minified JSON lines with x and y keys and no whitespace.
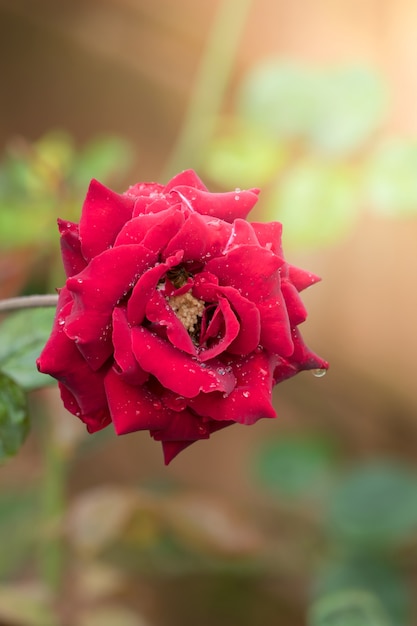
{"x":210,"y":85}
{"x":28,"y":302}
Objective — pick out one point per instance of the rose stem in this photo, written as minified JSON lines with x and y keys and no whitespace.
{"x":28,"y":302}
{"x":210,"y":85}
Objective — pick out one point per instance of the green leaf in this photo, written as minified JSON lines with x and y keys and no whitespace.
{"x":296,"y":466}
{"x":102,"y":158}
{"x":22,"y":337}
{"x":375,"y":505}
{"x":14,"y":421}
{"x":351,"y":107}
{"x":360,"y":589}
{"x":280,"y":98}
{"x":243,"y":156}
{"x":390,"y":178}
{"x":316,"y":202}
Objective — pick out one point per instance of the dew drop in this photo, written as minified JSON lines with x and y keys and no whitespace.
{"x":319,"y":373}
{"x":61,"y":322}
{"x":246,"y":394}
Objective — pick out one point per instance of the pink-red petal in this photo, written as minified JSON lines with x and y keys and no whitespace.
{"x":175,"y":369}
{"x":227,"y":206}
{"x":72,"y":257}
{"x":96,"y":291}
{"x":103,"y":215}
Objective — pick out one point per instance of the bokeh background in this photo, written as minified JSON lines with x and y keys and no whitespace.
{"x":307,"y":519}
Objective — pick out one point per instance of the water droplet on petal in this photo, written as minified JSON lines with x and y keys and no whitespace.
{"x":246,"y":394}
{"x":319,"y":373}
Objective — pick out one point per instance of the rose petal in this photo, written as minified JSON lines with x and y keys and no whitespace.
{"x":301,"y":359}
{"x":154,"y":228}
{"x":231,"y":330}
{"x":72,"y":257}
{"x":61,"y":359}
{"x":131,"y":371}
{"x":300,"y":278}
{"x":96,"y":290}
{"x":175,"y":369}
{"x":172,"y":448}
{"x":297,"y":312}
{"x":188,"y":178}
{"x":159,"y":311}
{"x":133,"y":408}
{"x":254,"y":272}
{"x":242,"y":234}
{"x":269,"y":236}
{"x":95,"y":420}
{"x":226,"y":206}
{"x":145,"y":287}
{"x":249,"y":322}
{"x":247,"y":312}
{"x":144,"y":190}
{"x":104,"y":213}
{"x":251,"y":398}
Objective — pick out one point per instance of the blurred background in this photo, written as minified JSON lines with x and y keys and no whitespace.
{"x":307,"y":519}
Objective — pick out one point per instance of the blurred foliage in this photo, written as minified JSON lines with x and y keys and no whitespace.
{"x":47,"y":178}
{"x":311,"y":138}
{"x":14,"y":419}
{"x":22,"y":337}
{"x":367,"y":515}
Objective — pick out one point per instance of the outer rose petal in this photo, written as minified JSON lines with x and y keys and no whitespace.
{"x":251,"y":398}
{"x":296,"y":310}
{"x":175,"y":369}
{"x":242,"y":234}
{"x":269,"y":236}
{"x":301,"y":359}
{"x":300,"y":278}
{"x":72,"y":257}
{"x":61,"y":359}
{"x":133,"y":407}
{"x":96,"y":290}
{"x":188,"y":178}
{"x":172,"y":448}
{"x":226,"y":206}
{"x":104,"y":213}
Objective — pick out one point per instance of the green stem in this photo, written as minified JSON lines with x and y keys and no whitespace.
{"x":210,"y":85}
{"x":53,"y":506}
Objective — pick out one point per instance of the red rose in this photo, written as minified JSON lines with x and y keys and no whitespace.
{"x":177,"y":316}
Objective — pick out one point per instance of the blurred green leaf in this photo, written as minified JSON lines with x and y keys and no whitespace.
{"x":22,"y":337}
{"x":373,"y":587}
{"x":280,"y":98}
{"x":243,"y":154}
{"x":28,"y":224}
{"x":102,"y":158}
{"x":18,"y":515}
{"x":296,"y":465}
{"x":375,"y":505}
{"x":14,"y":421}
{"x":317,"y":203}
{"x":334,"y":111}
{"x":348,"y":608}
{"x":391,"y":180}
{"x":352,"y":103}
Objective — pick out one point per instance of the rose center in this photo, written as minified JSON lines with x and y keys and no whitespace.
{"x":188,"y":309}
